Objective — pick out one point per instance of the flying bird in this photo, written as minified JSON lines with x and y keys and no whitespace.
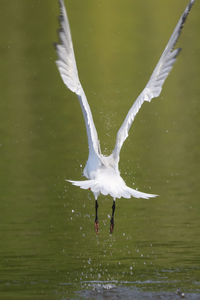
{"x":102,"y":172}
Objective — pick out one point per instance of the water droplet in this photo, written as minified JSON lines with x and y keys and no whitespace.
{"x":89,"y":261}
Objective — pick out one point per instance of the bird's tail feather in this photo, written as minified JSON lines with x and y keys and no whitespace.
{"x":124,"y":191}
{"x":138,"y":194}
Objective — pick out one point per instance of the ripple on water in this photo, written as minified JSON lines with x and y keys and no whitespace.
{"x":121,"y":290}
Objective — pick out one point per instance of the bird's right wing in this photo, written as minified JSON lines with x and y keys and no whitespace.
{"x":66,"y":64}
{"x":155,"y":83}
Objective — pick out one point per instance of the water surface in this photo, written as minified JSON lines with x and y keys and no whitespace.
{"x":48,"y":246}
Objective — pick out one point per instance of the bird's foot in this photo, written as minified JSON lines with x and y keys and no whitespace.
{"x":111,"y":225}
{"x":96,"y":226}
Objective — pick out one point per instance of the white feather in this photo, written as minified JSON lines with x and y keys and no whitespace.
{"x":155,"y":83}
{"x":102,"y":171}
{"x":68,"y":70}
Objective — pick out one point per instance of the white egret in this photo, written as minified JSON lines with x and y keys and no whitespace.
{"x":102,"y":171}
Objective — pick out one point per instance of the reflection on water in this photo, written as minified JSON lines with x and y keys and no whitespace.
{"x":48,"y":245}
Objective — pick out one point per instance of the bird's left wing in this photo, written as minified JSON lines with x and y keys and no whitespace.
{"x":66,"y":64}
{"x":155,"y":83}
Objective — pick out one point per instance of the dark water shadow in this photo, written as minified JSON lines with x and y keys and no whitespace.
{"x":128,"y":290}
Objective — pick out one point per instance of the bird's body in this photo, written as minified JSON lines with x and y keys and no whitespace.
{"x":104,"y":178}
{"x":102,"y":172}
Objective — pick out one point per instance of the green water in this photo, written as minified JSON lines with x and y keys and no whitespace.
{"x":48,"y":246}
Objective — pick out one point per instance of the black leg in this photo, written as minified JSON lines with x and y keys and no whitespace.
{"x":112,"y":218}
{"x":96,"y":222}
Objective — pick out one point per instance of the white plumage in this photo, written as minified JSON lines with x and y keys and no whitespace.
{"x":102,"y":171}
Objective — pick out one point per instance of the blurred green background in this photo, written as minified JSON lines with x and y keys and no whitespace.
{"x":48,"y":246}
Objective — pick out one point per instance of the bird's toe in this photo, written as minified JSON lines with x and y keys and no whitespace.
{"x":111,"y":225}
{"x":96,"y":226}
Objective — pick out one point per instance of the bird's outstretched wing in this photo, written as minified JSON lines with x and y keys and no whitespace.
{"x":155,"y":83}
{"x":66,"y":64}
